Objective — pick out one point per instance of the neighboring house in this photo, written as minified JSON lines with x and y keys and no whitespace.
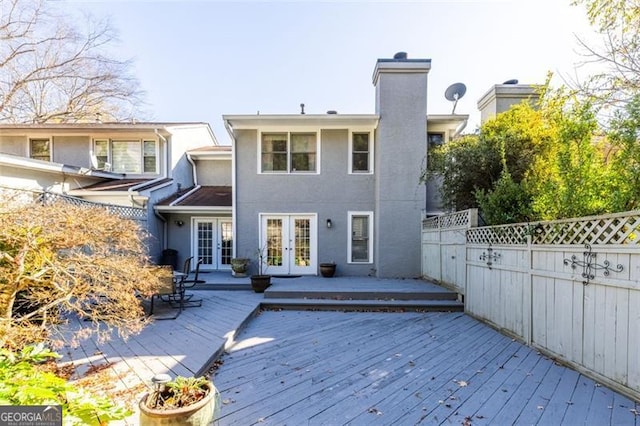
{"x":500,"y":97}
{"x":126,"y":164}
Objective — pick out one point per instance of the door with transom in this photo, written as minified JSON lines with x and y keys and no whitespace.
{"x":289,"y":244}
{"x":212,"y":241}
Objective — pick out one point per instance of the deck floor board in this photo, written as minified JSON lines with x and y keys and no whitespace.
{"x":334,"y":368}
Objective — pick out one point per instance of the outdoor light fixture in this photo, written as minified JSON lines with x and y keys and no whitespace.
{"x":178,"y":222}
{"x":329,"y":223}
{"x":159,"y":381}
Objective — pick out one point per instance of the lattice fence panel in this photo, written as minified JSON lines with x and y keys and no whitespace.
{"x":452,"y":220}
{"x":133,"y":213}
{"x":610,"y":229}
{"x":504,"y":234}
{"x":621,"y":228}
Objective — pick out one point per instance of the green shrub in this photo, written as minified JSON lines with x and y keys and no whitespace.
{"x":23,"y":383}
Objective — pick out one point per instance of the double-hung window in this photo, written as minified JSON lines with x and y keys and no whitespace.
{"x":360,"y":244}
{"x":288,"y":152}
{"x":133,"y":156}
{"x":40,"y":149}
{"x":360,"y":152}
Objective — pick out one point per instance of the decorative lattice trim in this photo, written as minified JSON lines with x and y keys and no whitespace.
{"x":465,"y":218}
{"x":503,"y":234}
{"x":134,"y":213}
{"x":619,"y":228}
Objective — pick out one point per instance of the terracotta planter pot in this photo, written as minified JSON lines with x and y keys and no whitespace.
{"x":260,"y":283}
{"x":327,"y":270}
{"x":200,"y":413}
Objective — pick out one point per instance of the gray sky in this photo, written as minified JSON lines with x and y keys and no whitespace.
{"x":198,"y":60}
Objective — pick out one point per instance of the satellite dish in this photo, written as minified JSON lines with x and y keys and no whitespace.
{"x":454,"y":93}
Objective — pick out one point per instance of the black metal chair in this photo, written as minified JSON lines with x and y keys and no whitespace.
{"x":167,"y":292}
{"x":186,"y":300}
{"x":195,"y":279}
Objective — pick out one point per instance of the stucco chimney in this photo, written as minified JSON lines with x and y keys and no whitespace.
{"x":400,"y":149}
{"x":502,"y":96}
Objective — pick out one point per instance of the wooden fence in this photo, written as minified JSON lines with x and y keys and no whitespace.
{"x":570,"y":288}
{"x":444,"y":248}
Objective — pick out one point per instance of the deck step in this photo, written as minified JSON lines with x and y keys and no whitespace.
{"x":358,"y":295}
{"x":361,"y":304}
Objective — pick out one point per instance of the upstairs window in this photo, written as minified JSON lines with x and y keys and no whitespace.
{"x":361,"y":158}
{"x":101,"y":153}
{"x":132,"y":156}
{"x":150,"y":157}
{"x":288,"y":153}
{"x":40,"y":149}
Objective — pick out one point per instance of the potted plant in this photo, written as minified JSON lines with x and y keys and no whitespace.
{"x":239,"y":266}
{"x":328,"y":269}
{"x":182,"y":401}
{"x":261,"y":281}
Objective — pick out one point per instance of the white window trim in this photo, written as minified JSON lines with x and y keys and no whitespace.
{"x":371,"y":156}
{"x":125,"y":138}
{"x":314,"y":130}
{"x":50,"y":139}
{"x":350,"y":215}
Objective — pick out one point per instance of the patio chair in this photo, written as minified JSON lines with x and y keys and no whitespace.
{"x":182,"y":284}
{"x":167,"y":292}
{"x":195,"y":279}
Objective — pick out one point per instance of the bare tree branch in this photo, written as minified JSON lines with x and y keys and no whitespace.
{"x":52,"y":72}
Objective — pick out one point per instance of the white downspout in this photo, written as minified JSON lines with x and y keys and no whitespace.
{"x":460,"y":128}
{"x":234,"y":190}
{"x":193,"y":169}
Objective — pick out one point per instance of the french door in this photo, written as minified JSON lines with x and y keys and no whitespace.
{"x":212,"y":241}
{"x":289,"y":244}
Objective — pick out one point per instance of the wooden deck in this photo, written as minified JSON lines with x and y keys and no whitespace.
{"x":183,"y":346}
{"x":335,"y":368}
{"x":326,"y":368}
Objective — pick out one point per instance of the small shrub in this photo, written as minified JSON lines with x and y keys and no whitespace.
{"x":23,"y":383}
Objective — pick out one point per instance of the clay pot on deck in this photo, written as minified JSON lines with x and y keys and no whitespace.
{"x":327,"y":270}
{"x":200,"y":413}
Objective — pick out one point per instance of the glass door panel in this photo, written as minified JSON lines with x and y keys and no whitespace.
{"x":204,"y":245}
{"x":212,"y":242}
{"x":225,"y":244}
{"x":290,"y":244}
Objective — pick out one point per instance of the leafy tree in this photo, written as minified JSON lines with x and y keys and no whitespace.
{"x":59,"y":259}
{"x":505,"y":148}
{"x":624,"y":137}
{"x":572,"y":179}
{"x":51,"y":71}
{"x":507,"y":202}
{"x":464,"y":166}
{"x":619,"y":54}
